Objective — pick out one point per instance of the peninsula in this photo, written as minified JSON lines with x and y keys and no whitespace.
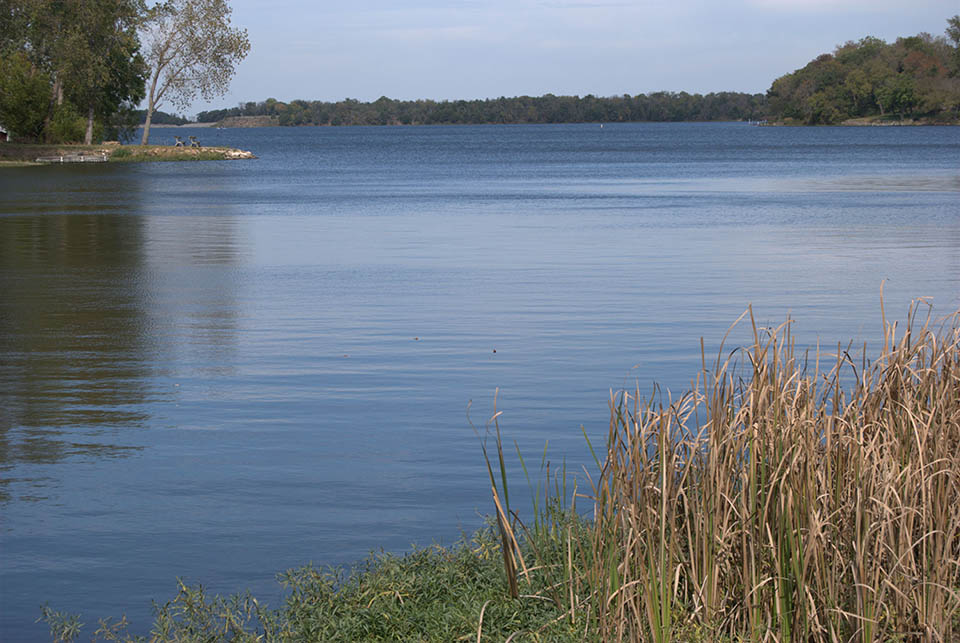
{"x":25,"y":154}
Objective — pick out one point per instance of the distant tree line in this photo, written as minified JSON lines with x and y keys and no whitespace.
{"x":659,"y":106}
{"x":916,"y":77}
{"x":161,"y":118}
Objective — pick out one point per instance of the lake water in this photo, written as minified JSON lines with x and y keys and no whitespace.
{"x":223,"y":370}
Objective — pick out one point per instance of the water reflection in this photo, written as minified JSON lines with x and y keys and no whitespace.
{"x":72,"y":327}
{"x":72,"y":335}
{"x":101,"y":306}
{"x":194,"y":266}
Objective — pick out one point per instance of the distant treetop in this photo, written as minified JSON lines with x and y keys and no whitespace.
{"x":914,"y":77}
{"x":659,"y":106}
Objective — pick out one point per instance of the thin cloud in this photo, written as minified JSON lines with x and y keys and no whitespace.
{"x":831,"y":6}
{"x":587,"y":5}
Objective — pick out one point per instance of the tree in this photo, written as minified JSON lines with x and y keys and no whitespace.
{"x":102,"y":68}
{"x":24,"y":94}
{"x":953,"y":33}
{"x":191,"y":49}
{"x":14,"y":25}
{"x":85,"y":53}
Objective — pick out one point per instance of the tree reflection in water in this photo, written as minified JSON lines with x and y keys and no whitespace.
{"x":72,"y":333}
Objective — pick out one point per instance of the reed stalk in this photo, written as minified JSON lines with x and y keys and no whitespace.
{"x":785,"y":497}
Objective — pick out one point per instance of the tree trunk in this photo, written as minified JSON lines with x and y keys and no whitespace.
{"x":55,"y":92}
{"x":88,"y":137}
{"x":151,"y":98}
{"x":146,"y":125}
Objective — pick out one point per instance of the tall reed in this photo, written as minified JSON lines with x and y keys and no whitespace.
{"x":786,"y":497}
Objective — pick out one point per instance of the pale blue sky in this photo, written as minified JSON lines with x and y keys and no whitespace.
{"x":449,"y":49}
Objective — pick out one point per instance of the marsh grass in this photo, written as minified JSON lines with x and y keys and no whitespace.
{"x":786,"y":497}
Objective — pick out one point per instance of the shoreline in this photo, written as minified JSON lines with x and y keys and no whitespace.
{"x":869,"y":121}
{"x":848,"y":123}
{"x":29,"y":155}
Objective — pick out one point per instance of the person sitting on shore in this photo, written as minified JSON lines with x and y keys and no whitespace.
{"x":194,"y":142}
{"x":179,"y":141}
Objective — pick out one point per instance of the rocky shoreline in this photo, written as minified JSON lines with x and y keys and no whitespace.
{"x":19,"y":155}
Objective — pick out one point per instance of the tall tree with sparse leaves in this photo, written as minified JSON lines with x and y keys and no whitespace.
{"x":192,"y":50}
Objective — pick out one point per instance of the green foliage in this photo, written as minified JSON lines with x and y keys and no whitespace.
{"x":122,"y":125}
{"x":24,"y":95}
{"x":64,"y":628}
{"x":160,"y":118}
{"x":140,"y":154}
{"x":67,"y":125}
{"x":659,"y":106}
{"x":194,"y":616}
{"x":953,"y":34}
{"x":101,"y":66}
{"x":431,"y":594}
{"x":912,"y":78}
{"x":77,"y":51}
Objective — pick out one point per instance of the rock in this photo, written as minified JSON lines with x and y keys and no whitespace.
{"x":238,"y":154}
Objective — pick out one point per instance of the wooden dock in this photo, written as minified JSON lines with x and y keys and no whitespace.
{"x":73,"y":158}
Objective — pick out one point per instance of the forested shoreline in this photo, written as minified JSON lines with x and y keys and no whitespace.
{"x":658,"y":106}
{"x":915,"y":78}
{"x":912,"y":78}
{"x":73,"y":70}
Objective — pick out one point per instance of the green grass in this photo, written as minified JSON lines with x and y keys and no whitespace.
{"x":785,"y":497}
{"x":22,"y":154}
{"x":18,"y":164}
{"x":136,"y":154}
{"x":431,"y":594}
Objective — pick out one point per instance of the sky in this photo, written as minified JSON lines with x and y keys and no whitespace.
{"x":466,"y":49}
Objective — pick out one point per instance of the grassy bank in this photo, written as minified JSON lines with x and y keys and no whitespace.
{"x":4,"y":163}
{"x":431,"y":594}
{"x":787,"y":497}
{"x":151,"y":153}
{"x":21,"y":154}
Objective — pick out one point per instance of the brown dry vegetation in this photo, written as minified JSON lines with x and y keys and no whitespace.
{"x":785,"y":498}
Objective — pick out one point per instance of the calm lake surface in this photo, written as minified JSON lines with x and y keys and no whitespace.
{"x":222,"y":370}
